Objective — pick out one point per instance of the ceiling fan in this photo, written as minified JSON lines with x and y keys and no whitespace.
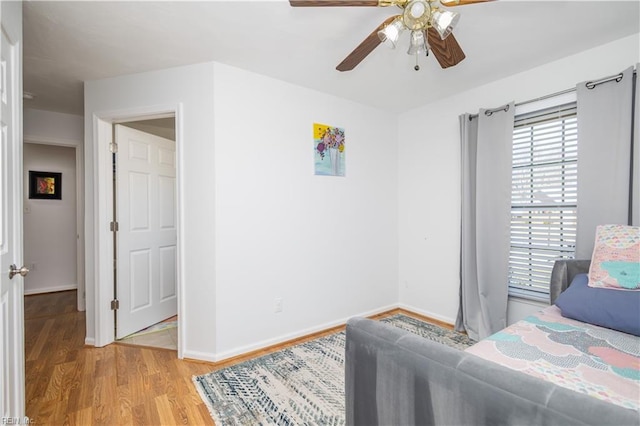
{"x":430,"y":26}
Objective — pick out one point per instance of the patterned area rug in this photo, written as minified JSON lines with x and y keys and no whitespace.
{"x":300,"y":385}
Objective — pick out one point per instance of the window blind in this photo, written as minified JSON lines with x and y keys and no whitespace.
{"x":543,"y":197}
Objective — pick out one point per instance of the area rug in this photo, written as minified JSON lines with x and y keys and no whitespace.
{"x":300,"y":385}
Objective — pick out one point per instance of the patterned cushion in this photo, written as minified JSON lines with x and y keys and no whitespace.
{"x":615,"y":262}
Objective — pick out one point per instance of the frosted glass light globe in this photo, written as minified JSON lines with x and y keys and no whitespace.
{"x":417,"y":9}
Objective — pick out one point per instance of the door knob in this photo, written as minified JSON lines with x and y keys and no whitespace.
{"x":13,"y":270}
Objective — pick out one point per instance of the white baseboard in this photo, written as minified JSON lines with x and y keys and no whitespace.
{"x":28,"y":292}
{"x":447,"y":320}
{"x":221,"y":356}
{"x":90,"y":341}
{"x":200,"y":356}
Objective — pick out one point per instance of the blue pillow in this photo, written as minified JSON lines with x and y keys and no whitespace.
{"x":615,"y":309}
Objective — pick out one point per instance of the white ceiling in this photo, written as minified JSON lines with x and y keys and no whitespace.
{"x":66,"y":43}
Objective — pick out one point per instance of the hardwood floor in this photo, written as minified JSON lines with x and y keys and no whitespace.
{"x":68,"y":383}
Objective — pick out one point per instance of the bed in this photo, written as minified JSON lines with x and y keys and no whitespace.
{"x":545,"y":369}
{"x":585,"y":358}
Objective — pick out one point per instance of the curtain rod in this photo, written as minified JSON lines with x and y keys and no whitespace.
{"x":589,"y":84}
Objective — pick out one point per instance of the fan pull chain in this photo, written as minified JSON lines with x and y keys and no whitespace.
{"x":417,"y":67}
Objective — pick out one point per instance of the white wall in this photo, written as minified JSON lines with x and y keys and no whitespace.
{"x":147,"y":127}
{"x":191,"y":88}
{"x":257,"y":223}
{"x":49,"y":126}
{"x":50,"y":225}
{"x":326,"y":245}
{"x":429,"y":174}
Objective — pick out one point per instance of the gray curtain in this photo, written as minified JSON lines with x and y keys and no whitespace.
{"x":604,"y":157}
{"x":486,"y":210}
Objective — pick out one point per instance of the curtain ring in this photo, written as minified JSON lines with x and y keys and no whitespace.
{"x":592,"y":84}
{"x":490,"y":112}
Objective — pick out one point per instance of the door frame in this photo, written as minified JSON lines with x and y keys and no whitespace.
{"x":14,"y":364}
{"x":103,"y":199}
{"x":77,"y":145}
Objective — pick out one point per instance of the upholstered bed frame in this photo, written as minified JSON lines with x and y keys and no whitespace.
{"x":562,"y":275}
{"x":394,"y":377}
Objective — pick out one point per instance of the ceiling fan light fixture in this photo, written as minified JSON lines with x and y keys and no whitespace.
{"x":444,"y":22}
{"x":417,"y":43}
{"x":390,"y":34}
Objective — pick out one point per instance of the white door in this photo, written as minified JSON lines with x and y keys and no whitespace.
{"x":12,"y":397}
{"x":146,"y":239}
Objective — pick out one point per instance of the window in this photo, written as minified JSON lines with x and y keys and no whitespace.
{"x":543,"y":197}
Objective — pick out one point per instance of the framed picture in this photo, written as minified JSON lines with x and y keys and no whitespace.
{"x":329,"y":150}
{"x":45,"y":185}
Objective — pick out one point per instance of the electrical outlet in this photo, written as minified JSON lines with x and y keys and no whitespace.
{"x":277,"y":305}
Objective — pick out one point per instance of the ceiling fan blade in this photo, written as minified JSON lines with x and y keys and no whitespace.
{"x":448,"y":52}
{"x":368,"y":44}
{"x":333,"y":3}
{"x":452,"y":3}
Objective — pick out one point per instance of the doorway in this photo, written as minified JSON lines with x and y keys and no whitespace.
{"x":145,"y":232}
{"x":50,"y":225}
{"x":54,"y":229}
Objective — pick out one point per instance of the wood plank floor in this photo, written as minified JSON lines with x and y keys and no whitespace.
{"x":68,"y":383}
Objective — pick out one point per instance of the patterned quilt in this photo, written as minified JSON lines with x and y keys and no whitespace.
{"x":586,"y":358}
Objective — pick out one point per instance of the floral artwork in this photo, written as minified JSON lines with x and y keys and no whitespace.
{"x":45,"y":185}
{"x":329,"y":150}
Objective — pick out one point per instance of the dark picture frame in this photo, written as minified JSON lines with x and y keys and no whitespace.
{"x":45,"y":185}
